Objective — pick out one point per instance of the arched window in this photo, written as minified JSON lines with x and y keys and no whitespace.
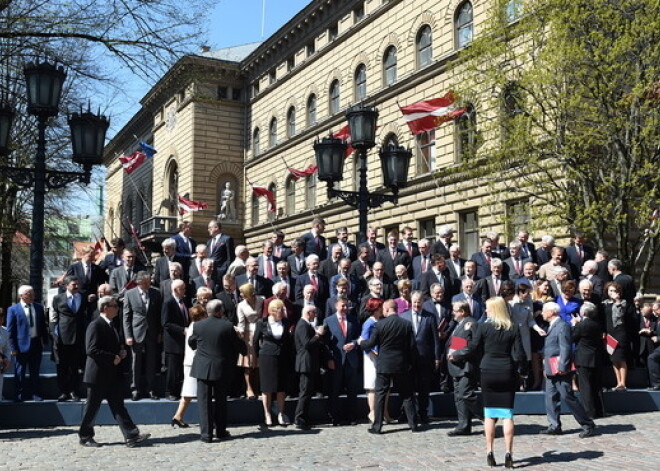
{"x":290,"y":203}
{"x":466,"y":133}
{"x":424,"y":45}
{"x":511,"y":108}
{"x":272,"y":214}
{"x":389,"y":66}
{"x":173,"y":188}
{"x":272,"y":133}
{"x":360,"y":82}
{"x":255,"y":209}
{"x":311,"y":110}
{"x":334,"y":97}
{"x":310,"y":192}
{"x":291,"y":122}
{"x":256,"y":149}
{"x":463,"y":25}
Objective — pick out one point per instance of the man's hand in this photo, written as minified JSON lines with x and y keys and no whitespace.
{"x":129,"y":342}
{"x":117,"y":360}
{"x":91,"y":298}
{"x":349,"y":346}
{"x":331,"y":364}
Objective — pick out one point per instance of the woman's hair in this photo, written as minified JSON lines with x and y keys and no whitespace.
{"x":615,"y":285}
{"x":275,"y":305}
{"x":498,"y":313}
{"x":403,"y":284}
{"x":247,"y":290}
{"x":197,"y":313}
{"x":373,"y":304}
{"x":568,"y":284}
{"x":536,"y":292}
{"x":508,"y":289}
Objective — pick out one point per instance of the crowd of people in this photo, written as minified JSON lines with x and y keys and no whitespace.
{"x":319,"y":318}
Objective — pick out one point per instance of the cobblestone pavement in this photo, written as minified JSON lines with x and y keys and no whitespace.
{"x":624,"y":442}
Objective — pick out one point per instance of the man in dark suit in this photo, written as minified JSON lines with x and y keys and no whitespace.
{"x":342,"y":288}
{"x":206,"y":278}
{"x":491,"y":285}
{"x":280,"y":250}
{"x":422,"y":262}
{"x":647,"y":323}
{"x":397,"y":355}
{"x":220,"y":248}
{"x":514,"y":265}
{"x":354,"y":291}
{"x":455,"y":263}
{"x":175,"y":321}
{"x":589,"y":270}
{"x":217,"y":347}
{"x":602,"y":260}
{"x":442,"y":245}
{"x":114,"y":258}
{"x":266,"y":262}
{"x":429,"y":354}
{"x":176,"y":273}
{"x":330,"y":266}
{"x":378,"y":273}
{"x":348,"y":250}
{"x":162,"y":267}
{"x":626,"y":281}
{"x":438,"y":274}
{"x":483,"y":258}
{"x":309,"y":355}
{"x":103,"y":377}
{"x":464,"y":369}
{"x":473,"y":300}
{"x":283,"y":276}
{"x":196,"y":262}
{"x":392,"y":255}
{"x":544,"y":252}
{"x":527,"y":249}
{"x":67,"y":321}
{"x":558,"y":348}
{"x":90,"y":275}
{"x":373,"y":246}
{"x":123,"y":277}
{"x":296,"y":260}
{"x":28,"y":334}
{"x":588,"y":337}
{"x":314,"y":241}
{"x":230,"y":298}
{"x":411,"y":247}
{"x":185,"y":245}
{"x":143,"y":332}
{"x":314,"y":278}
{"x":360,"y":269}
{"x":578,"y":253}
{"x":262,"y":286}
{"x":341,"y":333}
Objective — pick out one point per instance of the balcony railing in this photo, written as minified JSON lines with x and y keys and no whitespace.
{"x":158,"y":227}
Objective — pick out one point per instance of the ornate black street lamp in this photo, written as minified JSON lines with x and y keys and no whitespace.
{"x":330,"y":155}
{"x":44,"y":82}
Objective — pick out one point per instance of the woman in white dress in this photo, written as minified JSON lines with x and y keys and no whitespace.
{"x":189,"y":388}
{"x":248,"y":312}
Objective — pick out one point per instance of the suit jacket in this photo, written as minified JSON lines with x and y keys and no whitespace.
{"x":265,"y":343}
{"x":483,"y":267}
{"x":588,"y":336}
{"x":166,"y":290}
{"x":574,"y":261}
{"x":184,"y":250}
{"x":417,"y":267}
{"x":217,"y":346}
{"x":309,"y":348}
{"x":464,"y":361}
{"x":478,"y":306}
{"x":329,"y":268}
{"x":486,"y":287}
{"x":440,"y":247}
{"x":119,"y":278}
{"x":68,"y":326}
{"x":292,"y":285}
{"x":174,"y":324}
{"x":427,"y":340}
{"x":397,"y":350}
{"x":627,"y":286}
{"x":87,"y":285}
{"x":429,"y":278}
{"x":200,"y":282}
{"x":330,"y":308}
{"x":262,"y":286}
{"x":542,"y":256}
{"x":102,"y":346}
{"x":311,"y":246}
{"x":229,"y":301}
{"x":443,"y":318}
{"x":557,"y":343}
{"x":510,"y":268}
{"x":597,"y":282}
{"x":293,"y":266}
{"x":193,"y":271}
{"x":285,"y":251}
{"x":18,"y":327}
{"x":322,"y":293}
{"x":357,"y":272}
{"x":414,"y":249}
{"x":222,"y":253}
{"x":354,"y":286}
{"x":261,"y":264}
{"x":371,"y":258}
{"x":602,"y":272}
{"x":110,"y":262}
{"x":387,"y":290}
{"x":291,"y":314}
{"x":139,"y":320}
{"x":528,"y":250}
{"x":453,"y":274}
{"x":162,"y":269}
{"x":350,"y":248}
{"x":401,"y":258}
{"x":336,"y":340}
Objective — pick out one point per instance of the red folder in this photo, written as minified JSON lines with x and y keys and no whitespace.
{"x":553,"y":362}
{"x":457,"y":343}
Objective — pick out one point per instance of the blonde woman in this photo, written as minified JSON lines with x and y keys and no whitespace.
{"x":248,"y":312}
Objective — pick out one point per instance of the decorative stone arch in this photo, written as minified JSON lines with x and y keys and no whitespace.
{"x":169,"y":200}
{"x":390,"y":128}
{"x":312,"y":88}
{"x":361,"y":58}
{"x":335,"y":74}
{"x":221,"y":174}
{"x":450,"y":11}
{"x":390,"y":40}
{"x":291,"y":101}
{"x":424,"y":18}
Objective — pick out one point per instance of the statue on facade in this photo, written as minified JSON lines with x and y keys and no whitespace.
{"x":227,"y":204}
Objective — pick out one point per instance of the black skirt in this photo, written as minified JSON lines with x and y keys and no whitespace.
{"x":272,"y":373}
{"x":498,"y":388}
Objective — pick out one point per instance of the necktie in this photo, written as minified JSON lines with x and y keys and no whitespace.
{"x":496,"y":284}
{"x":393,"y":252}
{"x":74,"y":305}
{"x":342,"y":324}
{"x":278,"y":252}
{"x":129,"y":274}
{"x":312,"y":278}
{"x":415,"y":322}
{"x":344,"y":250}
{"x":28,"y":309}
{"x":269,"y":269}
{"x":409,"y":246}
{"x":145,"y":300}
{"x":579,"y":251}
{"x":208,"y":283}
{"x":212,"y":246}
{"x":525,"y":252}
{"x":184,"y":311}
{"x":517,"y":262}
{"x":425,"y":265}
{"x":488,"y":260}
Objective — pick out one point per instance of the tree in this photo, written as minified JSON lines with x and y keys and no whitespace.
{"x":573,"y":116}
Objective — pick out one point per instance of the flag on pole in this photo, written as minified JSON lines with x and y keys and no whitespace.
{"x":298,"y":174}
{"x":189,"y":206}
{"x":345,"y":135}
{"x":427,"y":115}
{"x":147,"y":150}
{"x":132,"y":162}
{"x":262,"y":191}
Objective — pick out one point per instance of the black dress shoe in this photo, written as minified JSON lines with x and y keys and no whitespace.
{"x":416,"y":428}
{"x":90,"y":443}
{"x":206,"y":440}
{"x":136,"y":440}
{"x":490,"y":459}
{"x":62,"y":397}
{"x":551,"y":431}
{"x":75,"y":397}
{"x":587,"y":433}
{"x":374,"y":431}
{"x":508,"y":461}
{"x":303,"y":426}
{"x":224,"y":434}
{"x":457,"y":432}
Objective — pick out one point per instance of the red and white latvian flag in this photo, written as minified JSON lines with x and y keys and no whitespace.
{"x":133,"y":161}
{"x":189,"y":206}
{"x":345,"y":135}
{"x":610,"y":344}
{"x":427,"y":115}
{"x":298,"y":174}
{"x":263,"y":191}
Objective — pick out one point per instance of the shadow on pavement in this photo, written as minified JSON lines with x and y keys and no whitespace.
{"x":563,"y":457}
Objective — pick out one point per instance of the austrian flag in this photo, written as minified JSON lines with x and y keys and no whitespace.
{"x":262,"y":191}
{"x":189,"y":206}
{"x":427,"y":115}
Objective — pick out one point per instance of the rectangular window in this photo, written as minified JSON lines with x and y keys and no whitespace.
{"x":310,"y":48}
{"x":255,"y":88}
{"x":236,"y":94}
{"x":358,"y":13}
{"x":426,"y":152}
{"x":272,"y":76}
{"x":469,"y":233}
{"x":427,"y":229}
{"x":222,"y":93}
{"x":290,"y":63}
{"x":333,"y":32}
{"x":517,"y":217}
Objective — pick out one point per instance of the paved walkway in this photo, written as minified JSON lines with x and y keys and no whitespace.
{"x":624,"y":442}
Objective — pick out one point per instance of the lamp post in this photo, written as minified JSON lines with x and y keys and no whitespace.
{"x":44,"y":83}
{"x":331,"y":152}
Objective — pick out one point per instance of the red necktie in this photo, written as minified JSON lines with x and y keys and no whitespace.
{"x":269,"y":269}
{"x":425,"y":265}
{"x":517,"y":266}
{"x":342,"y":324}
{"x":312,"y":278}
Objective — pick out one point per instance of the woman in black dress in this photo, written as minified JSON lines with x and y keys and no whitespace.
{"x":499,"y":339}
{"x":273,"y":346}
{"x":619,"y":319}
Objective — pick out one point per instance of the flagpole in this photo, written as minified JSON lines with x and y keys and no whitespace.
{"x":136,"y":189}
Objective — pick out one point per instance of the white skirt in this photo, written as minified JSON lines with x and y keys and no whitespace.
{"x":369,"y":369}
{"x":189,"y":388}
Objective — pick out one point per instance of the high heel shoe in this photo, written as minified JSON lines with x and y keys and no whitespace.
{"x":508,"y":461}
{"x":490,"y":459}
{"x":179,"y":423}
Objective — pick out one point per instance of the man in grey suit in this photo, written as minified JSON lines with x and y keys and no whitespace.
{"x":558,"y":384}
{"x":123,"y":278}
{"x":143,"y":331}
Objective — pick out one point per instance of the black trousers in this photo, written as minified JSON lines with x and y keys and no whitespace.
{"x":174,"y":377}
{"x":403,"y":383}
{"x":590,"y":391}
{"x":68,"y":368}
{"x":113,"y":394}
{"x":653,"y":364}
{"x":423,"y":379}
{"x":306,"y":390}
{"x":145,"y":355}
{"x":468,"y":404}
{"x":212,"y":416}
{"x":343,"y":377}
